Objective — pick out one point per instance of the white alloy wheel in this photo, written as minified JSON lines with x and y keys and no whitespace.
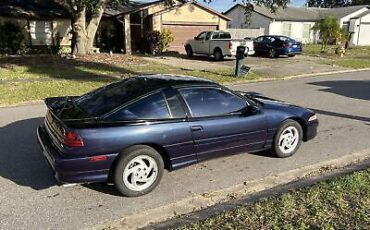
{"x":140,"y":173}
{"x":288,"y":140}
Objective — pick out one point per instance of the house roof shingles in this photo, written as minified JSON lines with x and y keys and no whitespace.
{"x":303,"y":14}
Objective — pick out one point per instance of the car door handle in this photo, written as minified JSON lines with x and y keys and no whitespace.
{"x":196,"y":128}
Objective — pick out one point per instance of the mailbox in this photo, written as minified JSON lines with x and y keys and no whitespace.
{"x":240,"y":54}
{"x":240,"y":51}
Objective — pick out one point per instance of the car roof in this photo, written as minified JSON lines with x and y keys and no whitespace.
{"x":167,"y":80}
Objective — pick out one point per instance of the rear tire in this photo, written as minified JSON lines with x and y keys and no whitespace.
{"x":139,"y":170}
{"x":189,"y":51}
{"x":287,"y":140}
{"x":272,"y":53}
{"x":218,"y":55}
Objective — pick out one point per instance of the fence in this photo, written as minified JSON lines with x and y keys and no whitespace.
{"x":243,"y":33}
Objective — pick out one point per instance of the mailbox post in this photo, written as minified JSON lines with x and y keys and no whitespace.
{"x":240,"y":54}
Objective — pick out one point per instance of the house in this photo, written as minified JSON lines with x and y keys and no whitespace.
{"x":298,"y":22}
{"x":122,"y":27}
{"x":184,"y":18}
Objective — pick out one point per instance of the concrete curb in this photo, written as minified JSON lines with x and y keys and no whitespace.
{"x":28,"y":103}
{"x":239,"y":83}
{"x":202,"y":201}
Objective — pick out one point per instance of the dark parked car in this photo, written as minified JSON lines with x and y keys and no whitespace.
{"x":273,"y":46}
{"x":129,"y":131}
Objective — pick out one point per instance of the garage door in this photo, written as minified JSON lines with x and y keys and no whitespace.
{"x":364,"y":36}
{"x":182,"y":33}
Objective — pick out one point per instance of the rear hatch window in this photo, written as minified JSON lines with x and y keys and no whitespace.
{"x":103,"y":100}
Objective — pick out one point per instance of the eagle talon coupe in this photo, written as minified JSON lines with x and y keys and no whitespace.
{"x":128,"y":132}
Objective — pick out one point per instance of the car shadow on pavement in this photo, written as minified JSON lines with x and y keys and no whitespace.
{"x":357,"y":89}
{"x":103,"y":188}
{"x":342,"y":115}
{"x":21,"y":158}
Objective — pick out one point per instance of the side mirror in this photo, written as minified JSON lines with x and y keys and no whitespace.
{"x":251,"y":110}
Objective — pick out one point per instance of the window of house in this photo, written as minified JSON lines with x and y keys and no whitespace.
{"x":40,"y":33}
{"x":287,"y":29}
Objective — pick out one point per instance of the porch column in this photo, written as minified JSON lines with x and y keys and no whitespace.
{"x":127,"y":32}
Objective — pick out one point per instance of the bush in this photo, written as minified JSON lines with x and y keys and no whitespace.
{"x":159,"y":41}
{"x":11,"y":38}
{"x":165,"y":40}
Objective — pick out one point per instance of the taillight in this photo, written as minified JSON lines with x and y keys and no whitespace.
{"x":72,"y":139}
{"x":230,"y":45}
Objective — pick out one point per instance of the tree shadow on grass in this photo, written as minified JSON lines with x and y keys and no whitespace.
{"x":99,"y":68}
{"x":21,"y":158}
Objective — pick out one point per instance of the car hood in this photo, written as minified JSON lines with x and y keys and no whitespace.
{"x":270,"y":103}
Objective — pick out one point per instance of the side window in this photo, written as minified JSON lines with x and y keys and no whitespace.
{"x":225,"y":36}
{"x":259,"y":39}
{"x":216,"y":35}
{"x":205,"y":102}
{"x":201,"y":36}
{"x":174,"y":104}
{"x":208,"y":36}
{"x":151,"y":107}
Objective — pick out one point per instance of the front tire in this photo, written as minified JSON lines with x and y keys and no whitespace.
{"x":139,"y":170}
{"x":287,"y":140}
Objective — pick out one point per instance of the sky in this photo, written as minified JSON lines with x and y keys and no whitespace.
{"x":223,"y":5}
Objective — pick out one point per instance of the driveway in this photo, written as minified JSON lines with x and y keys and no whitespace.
{"x":264,"y":67}
{"x":30,"y":198}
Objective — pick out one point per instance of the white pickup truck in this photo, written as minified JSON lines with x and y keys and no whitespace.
{"x":216,"y":43}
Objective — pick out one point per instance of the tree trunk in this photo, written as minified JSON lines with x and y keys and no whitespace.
{"x":79,"y":36}
{"x":93,"y":26}
{"x":83,"y":35}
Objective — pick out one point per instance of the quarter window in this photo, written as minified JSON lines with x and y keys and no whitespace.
{"x":205,"y":102}
{"x":151,"y":107}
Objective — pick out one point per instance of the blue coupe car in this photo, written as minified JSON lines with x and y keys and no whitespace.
{"x":128,"y":132}
{"x":273,"y":46}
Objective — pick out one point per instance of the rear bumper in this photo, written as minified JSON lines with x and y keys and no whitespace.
{"x":73,"y":170}
{"x":289,"y":51}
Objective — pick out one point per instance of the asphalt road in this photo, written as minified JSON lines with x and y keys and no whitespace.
{"x":30,"y":198}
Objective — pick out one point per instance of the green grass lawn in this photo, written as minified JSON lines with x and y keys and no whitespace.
{"x":355,"y":57}
{"x":24,"y":79}
{"x":340,"y":203}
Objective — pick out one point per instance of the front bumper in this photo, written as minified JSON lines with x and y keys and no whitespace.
{"x":311,"y":130}
{"x":76,"y":169}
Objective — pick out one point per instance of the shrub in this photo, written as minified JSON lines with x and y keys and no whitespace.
{"x":11,"y":38}
{"x":165,"y":40}
{"x":159,"y":41}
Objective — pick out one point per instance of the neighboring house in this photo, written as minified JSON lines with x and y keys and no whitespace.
{"x":185,"y":19}
{"x":122,"y":27}
{"x":298,"y":22}
{"x":46,"y":24}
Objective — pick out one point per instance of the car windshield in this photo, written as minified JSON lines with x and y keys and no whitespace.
{"x":103,"y":100}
